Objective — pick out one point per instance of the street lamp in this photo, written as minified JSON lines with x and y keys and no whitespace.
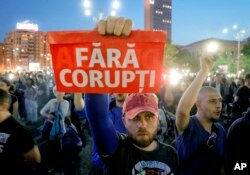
{"x":239,"y":35}
{"x":87,"y":4}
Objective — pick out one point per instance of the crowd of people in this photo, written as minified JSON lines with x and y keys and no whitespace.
{"x":199,"y":128}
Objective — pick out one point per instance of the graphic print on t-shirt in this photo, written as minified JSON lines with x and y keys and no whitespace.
{"x":3,"y":139}
{"x":151,"y":167}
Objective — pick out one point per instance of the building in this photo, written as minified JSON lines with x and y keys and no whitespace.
{"x":158,"y":16}
{"x":225,"y":46}
{"x":2,"y":66}
{"x":25,"y":46}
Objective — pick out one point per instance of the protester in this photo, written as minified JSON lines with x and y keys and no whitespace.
{"x":55,"y":159}
{"x":115,"y":114}
{"x":237,"y":146}
{"x":242,"y":97}
{"x":5,"y":85}
{"x":18,"y":152}
{"x":139,"y":151}
{"x":200,"y":138}
{"x":30,"y":101}
{"x":42,"y":92}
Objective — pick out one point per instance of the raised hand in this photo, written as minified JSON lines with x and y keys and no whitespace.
{"x":115,"y":26}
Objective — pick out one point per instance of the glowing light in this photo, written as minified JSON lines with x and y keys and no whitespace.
{"x":225,"y":30}
{"x":116,"y":4}
{"x":87,"y":12}
{"x":26,"y":25}
{"x":235,"y":26}
{"x":212,"y":47}
{"x":113,"y":13}
{"x":175,"y":77}
{"x":86,"y":4}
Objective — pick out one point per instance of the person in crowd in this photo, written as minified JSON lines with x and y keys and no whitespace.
{"x":167,"y":106}
{"x":115,"y":114}
{"x":18,"y":152}
{"x":200,"y":138}
{"x":237,"y":146}
{"x":42,"y":92}
{"x":19,"y":93}
{"x":30,"y":101}
{"x":242,"y":97}
{"x":55,"y":155}
{"x":5,"y":85}
{"x":220,"y":85}
{"x":240,"y":82}
{"x":138,"y":152}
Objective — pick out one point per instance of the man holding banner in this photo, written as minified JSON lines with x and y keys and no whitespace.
{"x":96,"y":64}
{"x":138,"y":152}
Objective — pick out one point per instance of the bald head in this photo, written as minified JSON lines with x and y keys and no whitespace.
{"x":206,"y":89}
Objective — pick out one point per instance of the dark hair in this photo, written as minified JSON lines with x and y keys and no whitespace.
{"x":40,"y":76}
{"x":7,"y":82}
{"x":247,"y":76}
{"x":31,"y":80}
{"x":4,"y":97}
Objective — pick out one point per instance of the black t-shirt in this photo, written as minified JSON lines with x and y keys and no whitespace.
{"x":14,"y":99}
{"x":244,"y":98}
{"x":130,"y":160}
{"x":237,"y":147}
{"x":14,"y":142}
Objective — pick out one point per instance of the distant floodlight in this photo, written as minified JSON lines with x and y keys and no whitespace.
{"x":87,"y":12}
{"x":235,"y":26}
{"x":86,"y":3}
{"x":225,"y":30}
{"x":151,"y":1}
{"x":212,"y":47}
{"x":243,"y":31}
{"x":113,"y":13}
{"x":116,"y":4}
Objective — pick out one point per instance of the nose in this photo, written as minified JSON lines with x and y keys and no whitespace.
{"x":141,"y":123}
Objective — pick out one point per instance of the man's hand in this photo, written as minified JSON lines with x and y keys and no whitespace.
{"x":115,"y":26}
{"x":207,"y":61}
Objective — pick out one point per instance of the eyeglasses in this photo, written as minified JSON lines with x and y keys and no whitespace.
{"x":211,"y":140}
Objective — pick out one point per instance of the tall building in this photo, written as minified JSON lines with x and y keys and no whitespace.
{"x":158,"y":16}
{"x":25,"y":46}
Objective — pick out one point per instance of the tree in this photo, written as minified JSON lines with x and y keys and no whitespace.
{"x":246,"y":48}
{"x":170,"y":55}
{"x":188,"y":60}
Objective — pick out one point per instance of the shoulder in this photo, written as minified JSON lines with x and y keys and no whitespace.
{"x":167,"y":147}
{"x":237,"y":124}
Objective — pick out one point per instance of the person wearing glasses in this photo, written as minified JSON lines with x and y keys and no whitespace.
{"x":200,"y":138}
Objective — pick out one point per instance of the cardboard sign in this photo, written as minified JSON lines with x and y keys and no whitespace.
{"x":85,"y":61}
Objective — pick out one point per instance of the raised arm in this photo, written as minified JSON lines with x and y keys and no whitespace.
{"x":96,"y":105}
{"x":78,"y":101}
{"x":102,"y":128}
{"x":190,"y":96}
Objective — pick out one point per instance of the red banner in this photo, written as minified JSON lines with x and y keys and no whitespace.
{"x":85,"y":61}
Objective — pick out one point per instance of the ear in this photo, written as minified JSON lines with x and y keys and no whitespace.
{"x":124,"y":121}
{"x":197,"y":103}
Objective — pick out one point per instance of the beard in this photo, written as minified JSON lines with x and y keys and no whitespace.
{"x":120,"y":98}
{"x":142,"y":141}
{"x":213,"y":120}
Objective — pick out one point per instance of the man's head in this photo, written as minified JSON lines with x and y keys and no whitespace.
{"x":4,"y":100}
{"x":140,"y":117}
{"x":120,"y":97}
{"x":209,"y":104}
{"x":247,"y":80}
{"x":39,"y":77}
{"x":5,"y":84}
{"x":57,"y":93}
